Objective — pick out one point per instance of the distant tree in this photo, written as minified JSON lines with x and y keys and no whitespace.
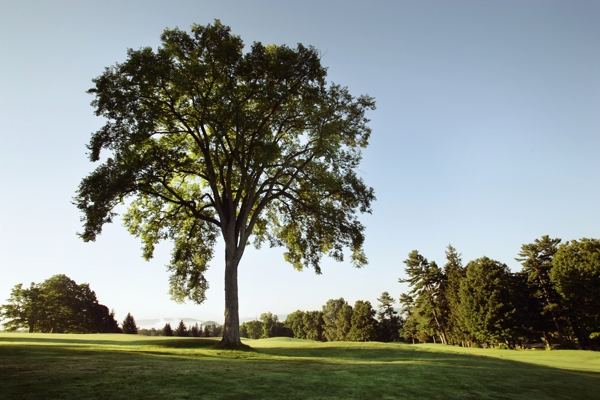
{"x":252,"y":329}
{"x":409,"y":330}
{"x":313,"y":325}
{"x":57,"y":305}
{"x":217,"y":330}
{"x":196,"y":330}
{"x":576,"y":276}
{"x":129,"y":325}
{"x":335,"y":326}
{"x":167,"y":330}
{"x":181,"y":329}
{"x":295,"y":322}
{"x":343,"y":321}
{"x":364,"y":326}
{"x":24,"y":309}
{"x":485,"y":304}
{"x":536,"y":259}
{"x":269,"y":325}
{"x":425,"y":280}
{"x":210,"y":139}
{"x":450,"y":292}
{"x":389,"y":321}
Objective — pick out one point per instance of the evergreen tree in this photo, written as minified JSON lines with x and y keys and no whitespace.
{"x":409,"y":330}
{"x":389,"y":321}
{"x":364,"y":326}
{"x":426,"y":280}
{"x":454,"y":272}
{"x":196,"y":331}
{"x":167,"y":330}
{"x":536,"y":259}
{"x":181,"y":329}
{"x":129,"y":325}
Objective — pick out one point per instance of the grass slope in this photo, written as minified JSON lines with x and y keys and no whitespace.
{"x":34,"y":366}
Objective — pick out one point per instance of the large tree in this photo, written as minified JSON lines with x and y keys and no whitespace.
{"x":207,"y":140}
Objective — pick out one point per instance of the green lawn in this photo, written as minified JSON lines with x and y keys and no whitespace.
{"x":34,"y":366}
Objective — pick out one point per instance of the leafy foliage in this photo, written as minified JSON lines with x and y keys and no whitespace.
{"x":57,"y":305}
{"x":207,"y":140}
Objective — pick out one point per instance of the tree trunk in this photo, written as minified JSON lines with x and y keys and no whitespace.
{"x":231,"y":329}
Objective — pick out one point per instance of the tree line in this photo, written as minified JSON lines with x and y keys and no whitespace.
{"x":553,"y":300}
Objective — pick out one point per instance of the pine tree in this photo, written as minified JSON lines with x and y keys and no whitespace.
{"x":181,"y":329}
{"x":129,"y":325}
{"x":167,"y":330}
{"x":196,"y":331}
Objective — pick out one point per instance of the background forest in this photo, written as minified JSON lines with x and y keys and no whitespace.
{"x":552,"y":301}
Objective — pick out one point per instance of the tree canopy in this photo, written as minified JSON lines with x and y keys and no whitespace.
{"x":57,"y":305}
{"x":207,"y":140}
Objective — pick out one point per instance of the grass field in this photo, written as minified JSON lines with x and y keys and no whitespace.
{"x":53,"y":366}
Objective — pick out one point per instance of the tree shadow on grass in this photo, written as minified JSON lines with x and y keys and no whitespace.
{"x":65,"y":371}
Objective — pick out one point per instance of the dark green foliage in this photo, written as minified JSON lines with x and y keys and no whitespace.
{"x":210,"y":141}
{"x":426,"y":281}
{"x":196,"y":331}
{"x":57,"y":305}
{"x":454,"y":272}
{"x":252,"y":329}
{"x":295,"y":322}
{"x":167,"y":330}
{"x":389,"y":321}
{"x":576,"y":276}
{"x":129,"y":325}
{"x":313,"y":325}
{"x":337,"y":316}
{"x":536,"y":259}
{"x":181,"y":329}
{"x":364,"y":326}
{"x":485,"y":301}
{"x":409,"y":330}
{"x":269,"y":325}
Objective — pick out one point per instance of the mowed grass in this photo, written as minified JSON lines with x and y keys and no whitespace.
{"x":52,"y":366}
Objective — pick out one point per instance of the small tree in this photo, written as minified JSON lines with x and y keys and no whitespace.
{"x":129,"y":325}
{"x":389,"y":321}
{"x":181,"y":329}
{"x":196,"y":331}
{"x":269,"y":327}
{"x":167,"y":330}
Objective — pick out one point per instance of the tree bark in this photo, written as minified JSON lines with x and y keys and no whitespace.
{"x":231,"y":329}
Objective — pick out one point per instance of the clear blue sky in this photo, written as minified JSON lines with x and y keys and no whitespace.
{"x":486,"y":136}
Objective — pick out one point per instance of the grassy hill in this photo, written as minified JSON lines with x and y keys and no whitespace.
{"x":35,"y":366}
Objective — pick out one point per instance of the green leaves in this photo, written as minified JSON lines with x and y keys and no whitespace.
{"x":207,"y":139}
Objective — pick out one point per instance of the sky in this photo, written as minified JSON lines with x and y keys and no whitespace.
{"x":486,"y":136}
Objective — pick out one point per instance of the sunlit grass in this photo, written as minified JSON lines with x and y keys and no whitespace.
{"x":131,"y":366}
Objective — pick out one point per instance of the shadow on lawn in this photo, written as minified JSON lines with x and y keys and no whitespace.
{"x":189,"y":343}
{"x":338,"y":372}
